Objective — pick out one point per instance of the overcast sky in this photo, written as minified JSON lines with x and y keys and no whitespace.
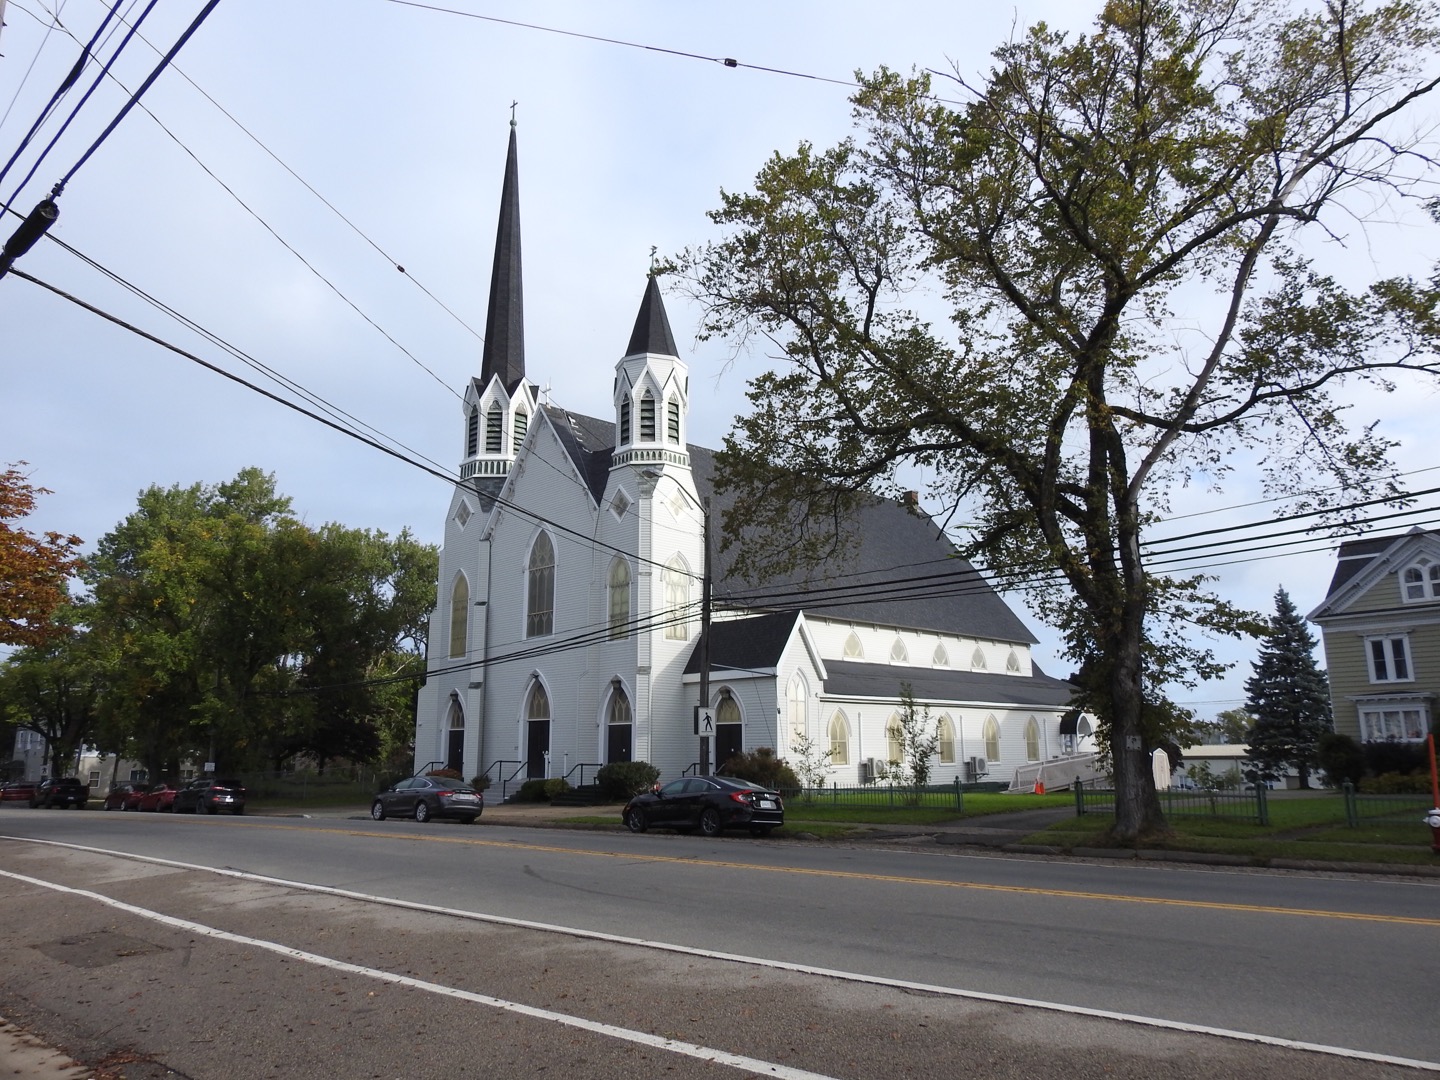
{"x":397,"y":114}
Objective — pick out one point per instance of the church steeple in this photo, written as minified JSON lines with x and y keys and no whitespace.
{"x":652,"y":328}
{"x":652,"y":392}
{"x":504,"y":353}
{"x":499,"y":404}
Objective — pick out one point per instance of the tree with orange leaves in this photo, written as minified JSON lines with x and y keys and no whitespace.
{"x":33,"y":569}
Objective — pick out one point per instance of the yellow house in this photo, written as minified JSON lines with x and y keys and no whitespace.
{"x":1380,"y":623}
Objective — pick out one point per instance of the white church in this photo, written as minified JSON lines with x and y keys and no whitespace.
{"x":567,"y":632}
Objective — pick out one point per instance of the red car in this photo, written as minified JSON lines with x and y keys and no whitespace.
{"x":159,"y":797}
{"x":125,"y":796}
{"x":18,"y":791}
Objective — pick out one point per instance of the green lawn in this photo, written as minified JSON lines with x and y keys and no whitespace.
{"x":1303,"y":825}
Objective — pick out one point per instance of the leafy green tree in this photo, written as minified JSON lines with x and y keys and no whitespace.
{"x":366,"y":605}
{"x":1075,"y":292}
{"x":1289,"y":697}
{"x":53,"y":689}
{"x":235,"y":633}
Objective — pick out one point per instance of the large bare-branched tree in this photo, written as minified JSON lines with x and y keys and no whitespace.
{"x":1115,"y":226}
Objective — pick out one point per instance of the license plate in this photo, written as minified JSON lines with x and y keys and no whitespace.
{"x":464,"y":798}
{"x":767,"y":804}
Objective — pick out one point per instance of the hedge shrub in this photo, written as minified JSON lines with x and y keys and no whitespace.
{"x":761,"y":766}
{"x":622,"y":779}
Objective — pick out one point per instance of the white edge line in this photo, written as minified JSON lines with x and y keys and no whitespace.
{"x":780,"y":965}
{"x":657,"y":1042}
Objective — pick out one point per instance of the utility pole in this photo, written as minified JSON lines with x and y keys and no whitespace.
{"x":705,"y":636}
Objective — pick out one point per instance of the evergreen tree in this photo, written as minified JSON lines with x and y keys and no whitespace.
{"x":1288,"y":695}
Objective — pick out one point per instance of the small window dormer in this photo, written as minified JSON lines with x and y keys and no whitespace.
{"x":1420,"y":581}
{"x":898,"y":653}
{"x":853,"y":649}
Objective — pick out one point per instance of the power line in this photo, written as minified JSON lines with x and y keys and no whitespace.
{"x":314,"y":270}
{"x":723,"y":61}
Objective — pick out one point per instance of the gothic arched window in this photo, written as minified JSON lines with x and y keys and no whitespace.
{"x":677,"y":600}
{"x":991,"y":734}
{"x":619,"y":585}
{"x":459,"y":616}
{"x":540,"y":589}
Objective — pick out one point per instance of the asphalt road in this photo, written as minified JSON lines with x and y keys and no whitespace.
{"x":844,"y":961}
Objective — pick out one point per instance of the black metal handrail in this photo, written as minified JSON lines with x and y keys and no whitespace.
{"x":503,"y":780}
{"x":596,"y":765}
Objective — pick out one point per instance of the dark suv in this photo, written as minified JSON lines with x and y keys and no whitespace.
{"x":60,"y":791}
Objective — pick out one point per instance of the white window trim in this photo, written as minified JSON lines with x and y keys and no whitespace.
{"x":1429,"y":571}
{"x":1372,"y":708}
{"x":1404,"y":640}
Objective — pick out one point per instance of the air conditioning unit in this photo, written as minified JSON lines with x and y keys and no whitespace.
{"x":871,"y":769}
{"x":976,"y":767}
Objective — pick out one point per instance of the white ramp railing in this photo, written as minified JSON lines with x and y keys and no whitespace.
{"x":1058,"y":774}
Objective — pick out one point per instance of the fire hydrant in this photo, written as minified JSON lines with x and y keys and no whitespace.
{"x":1433,"y":820}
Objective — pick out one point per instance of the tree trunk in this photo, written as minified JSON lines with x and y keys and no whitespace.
{"x":1137,"y":804}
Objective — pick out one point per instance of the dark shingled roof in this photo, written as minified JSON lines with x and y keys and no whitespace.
{"x":943,"y":593}
{"x":504,"y":352}
{"x":753,"y":644}
{"x":849,"y":678}
{"x":1355,"y":555}
{"x":652,"y":328}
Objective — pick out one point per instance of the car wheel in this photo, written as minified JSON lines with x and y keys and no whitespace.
{"x":377,"y":811}
{"x":760,"y":830}
{"x":710,"y":822}
{"x":422,"y":811}
{"x":635,"y":821}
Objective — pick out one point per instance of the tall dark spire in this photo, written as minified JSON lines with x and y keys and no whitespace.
{"x":504,"y":353}
{"x":652,"y":328}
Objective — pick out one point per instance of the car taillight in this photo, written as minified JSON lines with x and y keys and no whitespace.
{"x":444,"y":793}
{"x":741,"y":796}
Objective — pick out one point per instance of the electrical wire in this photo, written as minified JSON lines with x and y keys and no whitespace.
{"x":74,"y":112}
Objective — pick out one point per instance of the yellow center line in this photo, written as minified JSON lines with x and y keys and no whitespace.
{"x":895,"y":879}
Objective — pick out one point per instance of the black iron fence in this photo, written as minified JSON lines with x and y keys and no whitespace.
{"x":1243,"y":804}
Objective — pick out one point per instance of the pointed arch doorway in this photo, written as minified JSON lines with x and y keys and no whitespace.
{"x":537,"y":733}
{"x":619,"y":727}
{"x":455,"y":737}
{"x":729,"y":731}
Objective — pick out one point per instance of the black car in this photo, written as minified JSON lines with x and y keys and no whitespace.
{"x":60,"y":791}
{"x":210,"y":795}
{"x":426,"y":797}
{"x":708,"y":803}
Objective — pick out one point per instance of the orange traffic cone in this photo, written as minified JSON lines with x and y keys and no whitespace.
{"x":1039,"y":786}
